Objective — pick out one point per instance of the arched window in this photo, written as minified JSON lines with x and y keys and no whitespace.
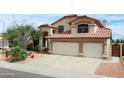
{"x":83,"y":28}
{"x":61,"y":29}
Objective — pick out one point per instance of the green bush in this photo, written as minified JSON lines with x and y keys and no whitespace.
{"x":29,"y":53}
{"x":36,"y":48}
{"x":19,"y":54}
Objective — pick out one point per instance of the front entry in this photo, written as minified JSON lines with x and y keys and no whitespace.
{"x":45,"y":45}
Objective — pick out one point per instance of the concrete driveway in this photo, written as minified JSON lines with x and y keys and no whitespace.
{"x":61,"y":66}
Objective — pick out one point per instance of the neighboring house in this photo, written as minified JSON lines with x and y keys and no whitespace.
{"x":3,"y":43}
{"x":78,"y":36}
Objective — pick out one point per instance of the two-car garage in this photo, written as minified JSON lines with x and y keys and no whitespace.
{"x":94,"y":50}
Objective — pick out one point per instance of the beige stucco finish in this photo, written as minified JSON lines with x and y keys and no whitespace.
{"x":49,"y":30}
{"x":65,"y":23}
{"x":107,"y":48}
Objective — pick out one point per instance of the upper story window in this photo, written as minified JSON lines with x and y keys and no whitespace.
{"x":61,"y":29}
{"x":83,"y":28}
{"x":54,"y":31}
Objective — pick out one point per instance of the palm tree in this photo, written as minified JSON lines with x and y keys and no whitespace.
{"x":10,"y":35}
{"x":36,"y":35}
{"x":20,"y":35}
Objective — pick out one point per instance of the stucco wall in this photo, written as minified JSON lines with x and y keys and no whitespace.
{"x":65,"y":23}
{"x":107,"y":48}
{"x":50,"y":30}
{"x":74,"y":26}
{"x":93,"y":28}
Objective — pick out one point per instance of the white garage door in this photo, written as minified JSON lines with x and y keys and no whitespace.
{"x":93,"y":50}
{"x":65,"y":48}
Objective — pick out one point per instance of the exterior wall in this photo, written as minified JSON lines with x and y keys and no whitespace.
{"x":93,"y":28}
{"x":73,"y":29}
{"x":107,"y":48}
{"x":50,"y":30}
{"x":65,"y":23}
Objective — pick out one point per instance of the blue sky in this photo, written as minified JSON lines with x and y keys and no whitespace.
{"x":115,"y":21}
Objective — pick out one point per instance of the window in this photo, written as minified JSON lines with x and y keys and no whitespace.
{"x":60,"y":29}
{"x":54,"y":31}
{"x":83,"y":28}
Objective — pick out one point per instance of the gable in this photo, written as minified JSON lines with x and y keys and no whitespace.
{"x":71,"y":17}
{"x":85,"y":19}
{"x":64,"y":22}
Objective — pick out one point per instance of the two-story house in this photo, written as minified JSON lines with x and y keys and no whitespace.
{"x":78,"y":36}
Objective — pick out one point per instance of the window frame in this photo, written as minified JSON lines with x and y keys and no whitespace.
{"x":53,"y":31}
{"x":60,"y":30}
{"x":82,"y":29}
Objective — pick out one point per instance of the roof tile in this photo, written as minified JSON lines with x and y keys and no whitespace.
{"x":100,"y":33}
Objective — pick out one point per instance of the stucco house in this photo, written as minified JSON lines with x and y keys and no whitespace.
{"x":75,"y":35}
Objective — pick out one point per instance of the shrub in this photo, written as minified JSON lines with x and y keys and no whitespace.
{"x":19,"y":54}
{"x":36,"y":48}
{"x":29,"y":53}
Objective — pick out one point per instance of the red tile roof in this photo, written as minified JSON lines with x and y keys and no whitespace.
{"x":71,"y":15}
{"x":47,"y":25}
{"x":66,"y":32}
{"x":101,"y":33}
{"x":67,"y":16}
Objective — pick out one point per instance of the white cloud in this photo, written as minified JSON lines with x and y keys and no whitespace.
{"x":117,"y":31}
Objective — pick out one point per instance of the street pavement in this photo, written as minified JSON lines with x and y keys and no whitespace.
{"x":8,"y":73}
